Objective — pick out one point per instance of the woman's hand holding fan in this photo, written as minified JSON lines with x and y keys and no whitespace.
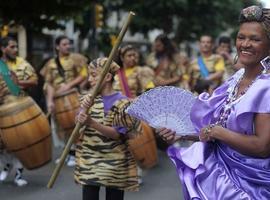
{"x":170,"y":136}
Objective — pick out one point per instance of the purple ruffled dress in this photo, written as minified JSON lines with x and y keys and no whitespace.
{"x":214,"y":170}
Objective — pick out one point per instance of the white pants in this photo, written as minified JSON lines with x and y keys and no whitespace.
{"x":7,"y":158}
{"x":54,"y":128}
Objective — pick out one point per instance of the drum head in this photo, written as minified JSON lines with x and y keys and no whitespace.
{"x":15,"y":104}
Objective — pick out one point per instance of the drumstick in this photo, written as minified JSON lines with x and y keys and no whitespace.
{"x":94,"y":94}
{"x":48,"y":115}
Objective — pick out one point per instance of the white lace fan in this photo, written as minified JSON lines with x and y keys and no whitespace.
{"x":167,"y":106}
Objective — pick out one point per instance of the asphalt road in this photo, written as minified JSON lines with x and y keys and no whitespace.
{"x":160,"y":183}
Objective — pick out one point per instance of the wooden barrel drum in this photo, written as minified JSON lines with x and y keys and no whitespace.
{"x":25,"y":132}
{"x":66,"y":106}
{"x":1,"y":143}
{"x":143,"y":147}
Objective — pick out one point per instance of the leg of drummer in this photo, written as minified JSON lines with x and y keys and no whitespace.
{"x":56,"y":140}
{"x":18,"y":180}
{"x":71,"y":157}
{"x":71,"y":154}
{"x":6,"y":161}
{"x":4,"y":173}
{"x":70,"y":160}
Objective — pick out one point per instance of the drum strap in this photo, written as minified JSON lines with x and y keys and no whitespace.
{"x":5,"y":72}
{"x":123,"y":82}
{"x":203,"y":69}
{"x":60,"y":68}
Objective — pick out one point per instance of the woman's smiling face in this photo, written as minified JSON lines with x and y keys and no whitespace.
{"x":252,"y":44}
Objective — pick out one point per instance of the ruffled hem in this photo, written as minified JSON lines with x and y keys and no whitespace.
{"x":187,"y":168}
{"x":208,"y":171}
{"x":202,"y":175}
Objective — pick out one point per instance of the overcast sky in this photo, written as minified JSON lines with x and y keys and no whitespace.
{"x":266,"y":3}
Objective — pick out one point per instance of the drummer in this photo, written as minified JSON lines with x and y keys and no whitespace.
{"x":63,"y":73}
{"x":132,"y":79}
{"x":14,"y":80}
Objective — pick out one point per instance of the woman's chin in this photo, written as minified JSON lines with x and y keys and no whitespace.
{"x":247,"y":61}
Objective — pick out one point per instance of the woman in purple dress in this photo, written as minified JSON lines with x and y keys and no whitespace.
{"x":232,"y":159}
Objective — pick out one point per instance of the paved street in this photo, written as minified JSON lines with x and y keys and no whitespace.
{"x":160,"y":183}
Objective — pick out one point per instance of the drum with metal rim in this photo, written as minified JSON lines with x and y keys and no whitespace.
{"x":66,"y":107}
{"x":25,"y":132}
{"x":143,"y":147}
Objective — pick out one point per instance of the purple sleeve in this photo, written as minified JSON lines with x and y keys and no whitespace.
{"x":120,"y":129}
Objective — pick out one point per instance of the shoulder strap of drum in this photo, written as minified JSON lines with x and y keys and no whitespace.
{"x":123,"y":82}
{"x":5,"y":72}
{"x":203,"y":69}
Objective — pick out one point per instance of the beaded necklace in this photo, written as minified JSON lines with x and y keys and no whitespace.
{"x":232,"y":99}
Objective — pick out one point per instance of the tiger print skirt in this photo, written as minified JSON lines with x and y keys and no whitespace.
{"x":103,"y":161}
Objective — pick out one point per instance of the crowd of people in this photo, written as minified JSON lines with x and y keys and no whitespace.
{"x":230,"y":115}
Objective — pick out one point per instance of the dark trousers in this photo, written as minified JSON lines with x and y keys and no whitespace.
{"x":91,"y":192}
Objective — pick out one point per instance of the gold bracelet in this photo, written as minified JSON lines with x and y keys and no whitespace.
{"x":208,"y":129}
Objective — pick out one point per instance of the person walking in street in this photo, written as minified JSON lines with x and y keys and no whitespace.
{"x":14,"y":81}
{"x":63,"y":74}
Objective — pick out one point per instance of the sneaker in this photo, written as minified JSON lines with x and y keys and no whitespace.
{"x":71,"y":161}
{"x":140,"y":180}
{"x":20,"y":182}
{"x":58,"y":160}
{"x":3,"y":175}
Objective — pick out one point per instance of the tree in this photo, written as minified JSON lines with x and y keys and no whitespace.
{"x":185,"y":19}
{"x":39,"y":14}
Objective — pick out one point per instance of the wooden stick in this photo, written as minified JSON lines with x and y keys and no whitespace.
{"x":105,"y":70}
{"x":48,"y":114}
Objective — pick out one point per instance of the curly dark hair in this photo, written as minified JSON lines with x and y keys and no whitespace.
{"x":169,"y":48}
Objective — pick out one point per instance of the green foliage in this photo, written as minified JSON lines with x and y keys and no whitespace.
{"x":104,"y":42}
{"x":39,"y":14}
{"x":186,"y":19}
